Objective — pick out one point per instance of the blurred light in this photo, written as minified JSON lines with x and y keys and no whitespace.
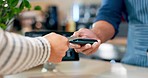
{"x":118,"y":69}
{"x":44,"y":70}
{"x":112,"y":61}
{"x":107,"y":51}
{"x":75,"y":12}
{"x":6,"y":5}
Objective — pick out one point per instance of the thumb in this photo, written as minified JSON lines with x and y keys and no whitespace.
{"x":99,"y":41}
{"x":76,"y":34}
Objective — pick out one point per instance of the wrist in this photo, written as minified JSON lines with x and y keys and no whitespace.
{"x":97,"y":32}
{"x":47,"y":48}
{"x":103,"y":30}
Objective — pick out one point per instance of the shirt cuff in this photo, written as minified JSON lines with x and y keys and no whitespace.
{"x":46,"y":43}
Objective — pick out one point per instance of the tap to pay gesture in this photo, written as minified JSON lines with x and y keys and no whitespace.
{"x":88,"y":48}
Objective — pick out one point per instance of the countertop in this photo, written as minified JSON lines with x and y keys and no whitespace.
{"x":86,"y":68}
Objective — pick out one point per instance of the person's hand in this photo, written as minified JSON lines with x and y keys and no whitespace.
{"x":59,"y":46}
{"x":88,"y":48}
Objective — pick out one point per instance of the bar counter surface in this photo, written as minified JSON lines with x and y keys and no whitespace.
{"x":86,"y":68}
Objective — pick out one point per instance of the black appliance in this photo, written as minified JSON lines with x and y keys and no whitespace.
{"x":52,"y":18}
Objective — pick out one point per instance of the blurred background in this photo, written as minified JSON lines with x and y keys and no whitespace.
{"x":69,"y":16}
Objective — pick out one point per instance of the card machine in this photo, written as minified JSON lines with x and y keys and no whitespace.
{"x":82,"y":41}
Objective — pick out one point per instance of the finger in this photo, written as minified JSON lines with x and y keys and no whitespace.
{"x":76,"y":51}
{"x":79,"y":33}
{"x":82,"y":29}
{"x":99,"y":41}
{"x":95,"y":45}
{"x":85,"y":47}
{"x":84,"y":36}
{"x":76,"y":34}
{"x":75,"y":46}
{"x":86,"y":52}
{"x":95,"y":48}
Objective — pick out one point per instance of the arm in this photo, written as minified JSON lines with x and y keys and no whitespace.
{"x":108,"y":19}
{"x":103,"y":30}
{"x":18,"y":53}
{"x":105,"y":27}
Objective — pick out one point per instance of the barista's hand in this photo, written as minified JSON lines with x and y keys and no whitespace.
{"x":88,"y":48}
{"x":59,"y":46}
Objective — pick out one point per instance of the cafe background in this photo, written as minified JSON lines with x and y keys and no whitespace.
{"x":69,"y":16}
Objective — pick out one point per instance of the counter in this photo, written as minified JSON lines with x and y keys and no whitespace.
{"x":86,"y":68}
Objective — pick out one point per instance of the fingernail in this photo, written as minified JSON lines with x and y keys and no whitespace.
{"x":88,"y":45}
{"x":99,"y":41}
{"x":77,"y":46}
{"x":96,"y":43}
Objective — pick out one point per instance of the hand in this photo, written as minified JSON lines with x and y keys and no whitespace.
{"x":59,"y":46}
{"x":88,"y":48}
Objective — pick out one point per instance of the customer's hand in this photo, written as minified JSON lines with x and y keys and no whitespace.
{"x":88,"y":48}
{"x":59,"y":46}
